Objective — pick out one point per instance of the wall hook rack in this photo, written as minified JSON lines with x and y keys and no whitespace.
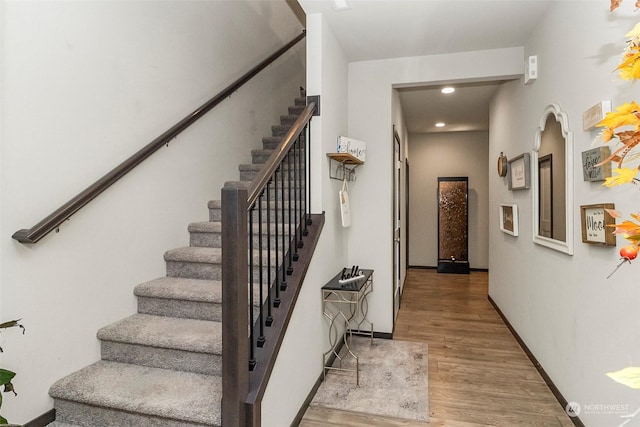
{"x":343,"y":166}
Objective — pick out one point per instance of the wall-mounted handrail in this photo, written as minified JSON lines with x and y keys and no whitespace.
{"x":64,"y":212}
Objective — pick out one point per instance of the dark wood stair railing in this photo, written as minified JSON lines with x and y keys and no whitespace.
{"x":64,"y":212}
{"x":274,"y":210}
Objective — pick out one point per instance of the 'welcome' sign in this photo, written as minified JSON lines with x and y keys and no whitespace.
{"x":357,"y":149}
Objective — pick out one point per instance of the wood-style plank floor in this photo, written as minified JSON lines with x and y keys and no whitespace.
{"x":478,"y":374}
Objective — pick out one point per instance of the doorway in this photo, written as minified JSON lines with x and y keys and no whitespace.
{"x":397,"y":239}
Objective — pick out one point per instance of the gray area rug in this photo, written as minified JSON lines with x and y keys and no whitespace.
{"x":393,"y":380}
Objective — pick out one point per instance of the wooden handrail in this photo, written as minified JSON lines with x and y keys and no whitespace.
{"x":255,"y":219}
{"x":53,"y":220}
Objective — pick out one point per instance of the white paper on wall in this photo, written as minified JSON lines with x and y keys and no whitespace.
{"x":345,"y":212}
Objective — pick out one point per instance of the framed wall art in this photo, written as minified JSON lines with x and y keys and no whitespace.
{"x":519,"y":172}
{"x":509,"y":219}
{"x":590,"y":158}
{"x":596,"y":224}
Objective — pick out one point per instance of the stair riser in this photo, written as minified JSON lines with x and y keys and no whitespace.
{"x":180,"y":308}
{"x":165,"y":358}
{"x":215,"y":214}
{"x":272,"y":142}
{"x":289,"y":119}
{"x":250,"y":175}
{"x":196,"y":270}
{"x":280,"y":130}
{"x":84,"y":415}
{"x":297,"y":110}
{"x":213,"y":240}
{"x":260,"y":157}
{"x":205,"y":240}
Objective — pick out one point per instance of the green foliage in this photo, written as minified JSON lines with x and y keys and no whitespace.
{"x":5,"y":375}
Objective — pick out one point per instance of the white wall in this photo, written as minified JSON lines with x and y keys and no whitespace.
{"x":370,"y":116}
{"x":84,"y":85}
{"x":306,"y":339}
{"x":578,"y":324}
{"x":448,"y":154}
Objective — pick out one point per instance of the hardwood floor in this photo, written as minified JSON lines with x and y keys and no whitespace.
{"x":478,"y":374}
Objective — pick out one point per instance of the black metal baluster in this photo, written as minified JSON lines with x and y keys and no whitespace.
{"x":283,"y":284}
{"x":269,"y":320}
{"x":307,"y":202}
{"x":295,"y":201}
{"x":276,"y":301}
{"x":301,"y":183}
{"x":291,"y":236}
{"x":252,"y":356}
{"x":261,"y":339}
{"x":308,"y":142}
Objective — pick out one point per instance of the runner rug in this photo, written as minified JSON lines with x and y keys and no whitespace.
{"x":393,"y":380}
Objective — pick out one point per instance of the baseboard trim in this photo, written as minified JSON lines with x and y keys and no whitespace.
{"x":383,"y":335}
{"x":44,"y":419}
{"x":428,"y":267}
{"x":559,"y":397}
{"x":303,"y":409}
{"x":305,"y":405}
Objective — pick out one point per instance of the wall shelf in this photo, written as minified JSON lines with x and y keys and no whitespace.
{"x":345,"y":168}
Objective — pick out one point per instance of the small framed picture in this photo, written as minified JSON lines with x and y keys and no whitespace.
{"x":509,"y":219}
{"x":593,"y":157}
{"x":519,"y":172}
{"x":596,"y":224}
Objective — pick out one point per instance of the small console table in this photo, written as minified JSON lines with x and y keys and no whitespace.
{"x":345,"y":306}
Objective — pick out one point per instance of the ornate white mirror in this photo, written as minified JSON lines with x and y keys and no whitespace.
{"x":552,"y":181}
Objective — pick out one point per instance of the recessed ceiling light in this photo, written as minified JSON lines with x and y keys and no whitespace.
{"x":448,"y":89}
{"x":340,"y":4}
{"x":439,"y":125}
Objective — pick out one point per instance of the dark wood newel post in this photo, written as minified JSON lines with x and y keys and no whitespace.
{"x":235,"y":300}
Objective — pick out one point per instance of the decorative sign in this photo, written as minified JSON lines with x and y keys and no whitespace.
{"x":509,"y":219}
{"x":357,"y":149}
{"x":590,"y":159}
{"x":596,"y":224}
{"x":595,"y":114}
{"x":519,"y":172}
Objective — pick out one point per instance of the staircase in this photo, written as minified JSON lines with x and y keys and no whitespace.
{"x":162,"y":366}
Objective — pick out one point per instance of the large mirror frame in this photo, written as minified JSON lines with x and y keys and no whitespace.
{"x":558,"y":245}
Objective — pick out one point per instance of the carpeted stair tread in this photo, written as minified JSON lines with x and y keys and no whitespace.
{"x":143,"y":390}
{"x":194,"y":335}
{"x":194,"y":254}
{"x":59,"y":424}
{"x":181,"y":289}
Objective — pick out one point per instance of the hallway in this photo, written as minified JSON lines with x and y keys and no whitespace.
{"x":478,"y":374}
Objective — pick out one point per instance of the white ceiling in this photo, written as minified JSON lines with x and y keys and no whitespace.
{"x":380,"y":29}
